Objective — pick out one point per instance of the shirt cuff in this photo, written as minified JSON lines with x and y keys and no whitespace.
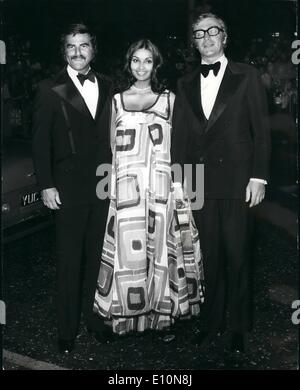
{"x":177,"y":184}
{"x":259,"y":180}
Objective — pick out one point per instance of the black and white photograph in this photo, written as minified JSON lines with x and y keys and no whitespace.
{"x":149,"y":187}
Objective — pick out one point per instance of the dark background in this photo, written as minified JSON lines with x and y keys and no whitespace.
{"x":261,"y":33}
{"x":118,"y":23}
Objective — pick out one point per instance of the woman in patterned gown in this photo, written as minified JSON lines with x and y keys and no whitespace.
{"x":151,"y":267}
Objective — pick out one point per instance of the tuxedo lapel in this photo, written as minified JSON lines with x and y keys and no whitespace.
{"x":66,"y":89}
{"x":229,"y":85}
{"x":103,"y":94}
{"x":192,"y":90}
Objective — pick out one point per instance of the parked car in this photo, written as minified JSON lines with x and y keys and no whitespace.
{"x":23,"y":211}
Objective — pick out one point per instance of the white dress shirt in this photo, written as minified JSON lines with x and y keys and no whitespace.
{"x":209,"y":90}
{"x":89,"y":90}
{"x":210,"y":86}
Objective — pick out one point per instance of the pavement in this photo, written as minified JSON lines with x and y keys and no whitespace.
{"x":31,"y":329}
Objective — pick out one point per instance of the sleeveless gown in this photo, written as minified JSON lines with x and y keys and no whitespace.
{"x":151,"y":269}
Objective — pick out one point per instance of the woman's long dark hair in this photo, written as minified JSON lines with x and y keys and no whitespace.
{"x":128,"y":79}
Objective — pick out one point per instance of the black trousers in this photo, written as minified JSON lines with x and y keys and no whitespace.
{"x":79,"y":239}
{"x":225,"y":228}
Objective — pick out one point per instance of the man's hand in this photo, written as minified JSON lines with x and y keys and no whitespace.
{"x":50,"y":197}
{"x":255,"y":192}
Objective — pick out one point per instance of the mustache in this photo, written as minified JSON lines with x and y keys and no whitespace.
{"x":76,"y":57}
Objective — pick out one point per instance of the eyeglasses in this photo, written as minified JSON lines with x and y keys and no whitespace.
{"x":211,"y":31}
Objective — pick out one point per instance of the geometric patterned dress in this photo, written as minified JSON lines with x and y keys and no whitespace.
{"x":151,"y":270}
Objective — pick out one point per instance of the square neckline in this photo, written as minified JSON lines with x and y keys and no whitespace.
{"x":144,"y":109}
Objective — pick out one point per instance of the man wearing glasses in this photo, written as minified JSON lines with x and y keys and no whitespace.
{"x":221,"y":120}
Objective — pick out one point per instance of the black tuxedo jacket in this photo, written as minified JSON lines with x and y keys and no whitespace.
{"x":68,"y":144}
{"x":234,"y":143}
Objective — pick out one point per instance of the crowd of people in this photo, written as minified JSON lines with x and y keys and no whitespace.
{"x":21,"y":75}
{"x":273,"y":59}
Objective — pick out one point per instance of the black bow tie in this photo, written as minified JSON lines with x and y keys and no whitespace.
{"x":206,"y":68}
{"x":89,"y":76}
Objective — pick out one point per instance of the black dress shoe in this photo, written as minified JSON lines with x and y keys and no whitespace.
{"x":237,"y":343}
{"x":166,"y":335}
{"x":65,"y":346}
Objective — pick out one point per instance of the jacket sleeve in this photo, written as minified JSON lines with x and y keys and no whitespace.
{"x":179,"y":137}
{"x":42,"y":139}
{"x":260,"y":124}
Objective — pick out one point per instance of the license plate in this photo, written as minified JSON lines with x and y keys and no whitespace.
{"x":31,"y":198}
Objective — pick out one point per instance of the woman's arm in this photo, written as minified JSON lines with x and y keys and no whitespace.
{"x":113,"y":124}
{"x":172,"y":100}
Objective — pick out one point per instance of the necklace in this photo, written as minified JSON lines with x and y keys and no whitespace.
{"x":141,"y":90}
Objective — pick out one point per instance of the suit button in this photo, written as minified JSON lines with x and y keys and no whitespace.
{"x":201,"y":159}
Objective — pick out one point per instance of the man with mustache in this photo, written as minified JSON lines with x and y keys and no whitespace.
{"x":71,"y":139}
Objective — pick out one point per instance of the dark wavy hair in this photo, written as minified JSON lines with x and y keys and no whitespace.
{"x":77,"y":28}
{"x":128,"y":79}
